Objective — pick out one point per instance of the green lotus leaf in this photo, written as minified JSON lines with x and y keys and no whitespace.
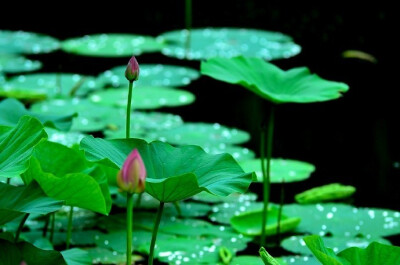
{"x":106,"y":256}
{"x":375,"y":254}
{"x":17,"y":145}
{"x":233,"y":198}
{"x":343,"y":220}
{"x":76,"y":256}
{"x":16,"y":64}
{"x":229,"y":42}
{"x":111,"y":45}
{"x":173,"y":173}
{"x":247,"y":260}
{"x":26,"y":42}
{"x":63,"y":174}
{"x":249,"y":223}
{"x":296,"y":244}
{"x":297,"y":260}
{"x":152,"y":75}
{"x":12,"y":110}
{"x":330,"y":192}
{"x":53,"y":85}
{"x":16,"y":201}
{"x":223,"y":213}
{"x":69,"y":139}
{"x":281,"y":169}
{"x":144,"y":97}
{"x":296,"y":85}
{"x":202,"y":134}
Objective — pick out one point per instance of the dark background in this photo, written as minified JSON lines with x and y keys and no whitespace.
{"x":353,"y":140}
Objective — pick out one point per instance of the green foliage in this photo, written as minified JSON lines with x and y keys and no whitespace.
{"x":330,"y":192}
{"x":15,"y":64}
{"x":296,"y":85}
{"x":12,"y":42}
{"x":267,"y":258}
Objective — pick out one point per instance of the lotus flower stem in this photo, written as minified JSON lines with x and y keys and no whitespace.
{"x":266,"y":170}
{"x":128,"y":111}
{"x":52,"y":225}
{"x":188,"y":24}
{"x":178,"y":208}
{"x":21,"y":225}
{"x":129,"y":227}
{"x":155,"y":230}
{"x":281,"y":201}
{"x":69,"y":227}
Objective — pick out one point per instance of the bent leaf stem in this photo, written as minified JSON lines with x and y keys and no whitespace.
{"x":155,"y":230}
{"x":129,"y":227}
{"x":266,"y":170}
{"x":128,"y":111}
{"x":281,"y":201}
{"x":21,"y":225}
{"x":69,"y":228}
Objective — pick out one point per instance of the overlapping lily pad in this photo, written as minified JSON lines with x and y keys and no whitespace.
{"x":17,"y":64}
{"x":152,"y":75}
{"x":144,"y":97}
{"x":297,"y":245}
{"x":52,"y":84}
{"x":112,"y":45}
{"x":343,"y":220}
{"x":173,"y":173}
{"x":297,"y":260}
{"x":330,"y":192}
{"x":203,"y":134}
{"x":238,"y":152}
{"x":222,"y":213}
{"x":229,"y":42}
{"x":233,"y":198}
{"x":296,"y":85}
{"x":26,"y":42}
{"x":281,"y":169}
{"x":65,"y":138}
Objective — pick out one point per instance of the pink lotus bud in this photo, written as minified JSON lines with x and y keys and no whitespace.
{"x":132,"y":70}
{"x":131,"y":178}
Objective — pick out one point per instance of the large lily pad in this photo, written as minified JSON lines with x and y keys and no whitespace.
{"x":233,"y":198}
{"x":65,"y":138}
{"x":249,"y":223}
{"x":238,"y":152}
{"x":297,"y":260}
{"x":11,"y":110}
{"x":17,"y":146}
{"x":203,"y":134}
{"x":26,"y":42}
{"x":374,"y":254}
{"x":112,"y":45}
{"x":342,"y":220}
{"x":16,"y":201}
{"x":144,"y":97}
{"x":152,"y":75}
{"x":296,"y":85}
{"x":173,"y":173}
{"x":224,"y":212}
{"x":54,"y":84}
{"x":330,"y":192}
{"x":16,"y":64}
{"x":297,"y":245}
{"x":229,"y":42}
{"x":281,"y":169}
{"x":64,"y":177}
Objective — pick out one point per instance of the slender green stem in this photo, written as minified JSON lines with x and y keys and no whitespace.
{"x":139,"y":199}
{"x":267,"y":170}
{"x":8,"y":180}
{"x":188,"y":24}
{"x":129,"y":227}
{"x":281,"y":201}
{"x":46,"y":225}
{"x":128,"y":111}
{"x":154,"y":234}
{"x":178,"y":208}
{"x":52,"y":226}
{"x":21,"y":225}
{"x":69,"y":227}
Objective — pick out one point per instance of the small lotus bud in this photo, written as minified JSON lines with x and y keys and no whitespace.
{"x":131,"y":178}
{"x":132,"y":70}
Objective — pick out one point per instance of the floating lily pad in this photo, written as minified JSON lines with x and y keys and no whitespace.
{"x":106,"y":256}
{"x":342,"y":220}
{"x":296,"y":85}
{"x":65,"y":138}
{"x":144,"y":97}
{"x":90,"y":117}
{"x":16,"y":64}
{"x":202,"y":134}
{"x":222,"y":213}
{"x":76,"y":256}
{"x":173,"y":173}
{"x":330,"y":192}
{"x":238,"y":152}
{"x":7,"y":91}
{"x":229,"y":42}
{"x":53,"y":84}
{"x":249,"y":223}
{"x":233,"y":198}
{"x":152,"y":75}
{"x":281,"y":169}
{"x":297,"y":245}
{"x":82,"y":238}
{"x":247,"y":260}
{"x":112,"y":45}
{"x":12,"y":110}
{"x":297,"y":260}
{"x":26,"y":42}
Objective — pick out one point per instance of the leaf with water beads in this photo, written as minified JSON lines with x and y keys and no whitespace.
{"x":12,"y":42}
{"x":297,"y":260}
{"x":222,"y":213}
{"x":228,"y":42}
{"x":233,"y":198}
{"x":17,"y":64}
